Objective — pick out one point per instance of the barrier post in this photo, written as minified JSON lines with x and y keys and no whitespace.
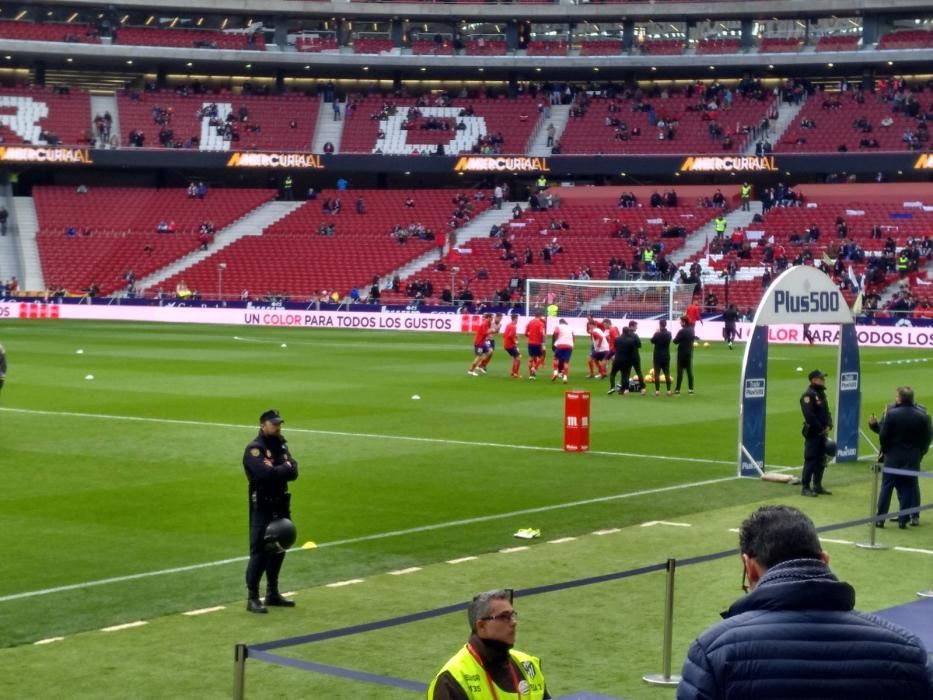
{"x":872,"y":507}
{"x":576,"y":421}
{"x":665,"y":679}
{"x":239,"y":671}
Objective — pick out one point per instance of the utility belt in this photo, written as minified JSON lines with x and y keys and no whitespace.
{"x":810,"y":432}
{"x":277,"y":504}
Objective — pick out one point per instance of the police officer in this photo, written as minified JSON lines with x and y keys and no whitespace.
{"x":817,"y":422}
{"x":269,"y":466}
{"x":906,"y":431}
{"x":487,"y":667}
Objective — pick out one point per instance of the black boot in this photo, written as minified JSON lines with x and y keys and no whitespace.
{"x":821,"y":491}
{"x":274,"y":598}
{"x":254,"y":605}
{"x":806,"y":491}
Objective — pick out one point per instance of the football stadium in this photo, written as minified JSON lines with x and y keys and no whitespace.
{"x":466,"y":349}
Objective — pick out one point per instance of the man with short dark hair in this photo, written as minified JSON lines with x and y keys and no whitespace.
{"x":796,"y":634}
{"x":487,"y":666}
{"x":817,"y":422}
{"x":269,"y":466}
{"x":905,"y":431}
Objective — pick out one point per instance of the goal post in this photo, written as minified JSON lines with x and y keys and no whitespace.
{"x":609,"y":298}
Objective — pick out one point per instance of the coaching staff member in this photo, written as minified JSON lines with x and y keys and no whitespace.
{"x":796,"y":635}
{"x":487,"y":667}
{"x":269,"y":467}
{"x":906,"y":432}
{"x":684,"y":341}
{"x":817,"y":422}
{"x":661,"y":357}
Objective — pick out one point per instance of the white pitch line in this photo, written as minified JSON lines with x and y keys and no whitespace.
{"x":733,"y":529}
{"x":204,"y":611}
{"x":512,"y":550}
{"x":461,"y":560}
{"x":402,"y":572}
{"x":914,"y":549}
{"x":827,"y":539}
{"x":610,"y":531}
{"x":562,"y":540}
{"x":50,"y":640}
{"x":128,"y":625}
{"x":341,"y":584}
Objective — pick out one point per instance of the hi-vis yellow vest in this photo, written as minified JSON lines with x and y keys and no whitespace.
{"x":746,"y":191}
{"x":473,"y":679}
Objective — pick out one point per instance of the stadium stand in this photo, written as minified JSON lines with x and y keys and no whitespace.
{"x":371,"y":44}
{"x":718,"y":46}
{"x":588,"y":244}
{"x":430,"y":47}
{"x":481,"y":46}
{"x":189,"y":38}
{"x":268,"y":125}
{"x":859,"y":121}
{"x":114,"y":229}
{"x":294,"y":258}
{"x":663,"y":47}
{"x":514,"y":119}
{"x":547,"y":47}
{"x":837,"y":42}
{"x":906,"y":39}
{"x":315,"y":43}
{"x":590,"y":133}
{"x":38,"y":115}
{"x":601,"y":47}
{"x":48,"y":31}
{"x":779,"y":44}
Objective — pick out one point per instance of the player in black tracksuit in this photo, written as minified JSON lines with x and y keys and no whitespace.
{"x":269,"y":466}
{"x":730,"y":319}
{"x":626,"y":349}
{"x":684,"y":341}
{"x":817,"y":422}
{"x":661,"y":358}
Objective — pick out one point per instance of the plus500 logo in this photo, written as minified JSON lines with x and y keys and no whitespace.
{"x":806,"y":303}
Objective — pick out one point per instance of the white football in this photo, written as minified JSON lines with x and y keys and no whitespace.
{"x":90,"y":376}
{"x":800,"y":369}
{"x":415,"y":397}
{"x":79,"y":352}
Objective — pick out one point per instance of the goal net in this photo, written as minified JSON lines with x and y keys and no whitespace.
{"x":612,"y":298}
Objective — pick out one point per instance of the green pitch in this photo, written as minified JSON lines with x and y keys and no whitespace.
{"x":125,"y":501}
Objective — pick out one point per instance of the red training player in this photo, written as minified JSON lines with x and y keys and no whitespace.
{"x":494,"y":328}
{"x":481,"y":348}
{"x":511,"y":347}
{"x":535,"y":332}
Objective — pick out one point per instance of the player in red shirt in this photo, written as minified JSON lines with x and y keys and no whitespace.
{"x":494,"y":328}
{"x":511,"y":347}
{"x":535,"y":332}
{"x":481,"y":347}
{"x":693,"y":313}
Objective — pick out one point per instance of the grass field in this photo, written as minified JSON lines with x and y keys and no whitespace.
{"x":125,"y":501}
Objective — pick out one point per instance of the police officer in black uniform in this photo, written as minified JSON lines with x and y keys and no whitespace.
{"x":817,"y":422}
{"x":269,"y":466}
{"x":906,"y":431}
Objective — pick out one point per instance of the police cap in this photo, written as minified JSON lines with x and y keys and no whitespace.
{"x":271,"y":416}
{"x":816,"y":374}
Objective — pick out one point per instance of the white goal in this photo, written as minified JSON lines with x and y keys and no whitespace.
{"x":612,"y":298}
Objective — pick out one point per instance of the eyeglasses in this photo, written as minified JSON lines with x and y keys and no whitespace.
{"x":506,"y":616}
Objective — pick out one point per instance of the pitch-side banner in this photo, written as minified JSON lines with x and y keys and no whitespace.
{"x":753,"y":394}
{"x":849,"y":392}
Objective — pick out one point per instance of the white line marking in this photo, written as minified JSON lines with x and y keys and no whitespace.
{"x":651,"y":523}
{"x":340,"y":584}
{"x":375,"y":436}
{"x":402,"y":572}
{"x":826,"y":539}
{"x":289,"y":594}
{"x":914,"y":549}
{"x":128,"y":625}
{"x":204,"y":611}
{"x":50,"y":640}
{"x":562,"y":540}
{"x":610,"y":531}
{"x":461,"y":560}
{"x":511,"y":550}
{"x":733,"y":529}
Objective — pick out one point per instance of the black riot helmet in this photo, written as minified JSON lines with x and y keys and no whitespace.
{"x":830,"y":447}
{"x":280,"y":535}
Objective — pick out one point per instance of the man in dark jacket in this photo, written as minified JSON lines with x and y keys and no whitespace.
{"x":661,"y":357}
{"x":626,"y":350}
{"x":684,"y":341}
{"x":269,"y":466}
{"x":796,"y":634}
{"x":817,"y":422}
{"x":906,"y":432}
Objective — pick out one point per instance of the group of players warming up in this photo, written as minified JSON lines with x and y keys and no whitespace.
{"x":608,"y":345}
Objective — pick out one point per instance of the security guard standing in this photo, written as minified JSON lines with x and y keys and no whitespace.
{"x":906,"y":431}
{"x":287,"y":188}
{"x":746,"y":196}
{"x":903,"y":262}
{"x":542,"y":182}
{"x":269,"y":466}
{"x":817,"y":422}
{"x":720,"y":225}
{"x":487,"y":667}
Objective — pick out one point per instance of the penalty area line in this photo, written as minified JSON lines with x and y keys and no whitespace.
{"x":370,"y":538}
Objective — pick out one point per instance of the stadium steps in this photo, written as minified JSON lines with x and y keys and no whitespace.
{"x":787,"y":114}
{"x":696,"y":242}
{"x":96,"y":81}
{"x":252,"y":224}
{"x":478,"y":228}
{"x":106,"y":103}
{"x":560,"y":115}
{"x":10,"y":258}
{"x":26,"y":222}
{"x":327,"y":129}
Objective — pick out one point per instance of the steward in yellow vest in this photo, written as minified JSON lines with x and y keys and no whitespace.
{"x":487,"y":668}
